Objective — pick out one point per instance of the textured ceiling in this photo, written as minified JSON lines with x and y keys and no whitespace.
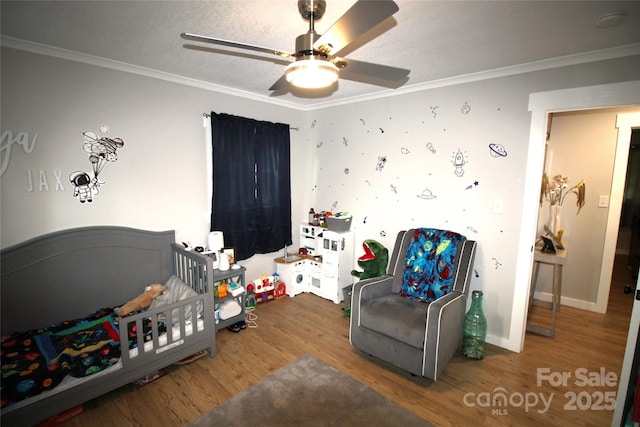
{"x":434,"y":39}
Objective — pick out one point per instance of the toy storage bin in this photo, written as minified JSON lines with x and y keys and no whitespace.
{"x":339,"y":224}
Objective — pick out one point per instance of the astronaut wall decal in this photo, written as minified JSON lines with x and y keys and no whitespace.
{"x":100,"y":150}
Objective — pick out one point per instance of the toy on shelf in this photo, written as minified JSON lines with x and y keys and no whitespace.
{"x":222,"y":289}
{"x":235,"y":288}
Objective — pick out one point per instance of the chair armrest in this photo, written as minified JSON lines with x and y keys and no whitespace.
{"x":445,"y":319}
{"x":447,"y":312}
{"x":448,"y":302}
{"x":367,"y":290}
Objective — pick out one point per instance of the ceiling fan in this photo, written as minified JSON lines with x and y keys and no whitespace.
{"x":316,"y":64}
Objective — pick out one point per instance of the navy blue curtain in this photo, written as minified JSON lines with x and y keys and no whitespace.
{"x":251,"y":184}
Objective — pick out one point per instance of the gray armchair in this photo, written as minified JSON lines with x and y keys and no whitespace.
{"x":412,"y":317}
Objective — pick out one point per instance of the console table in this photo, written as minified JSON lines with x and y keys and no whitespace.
{"x":556,"y":260}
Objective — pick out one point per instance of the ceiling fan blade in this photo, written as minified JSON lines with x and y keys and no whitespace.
{"x":352,"y":69}
{"x":206,"y":39}
{"x":356,"y":21}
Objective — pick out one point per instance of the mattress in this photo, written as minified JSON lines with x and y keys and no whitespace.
{"x":70,"y":382}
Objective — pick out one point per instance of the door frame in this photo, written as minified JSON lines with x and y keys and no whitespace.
{"x":540,"y":105}
{"x":624,"y":122}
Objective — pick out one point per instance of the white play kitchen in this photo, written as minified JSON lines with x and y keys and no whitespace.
{"x":325,"y":260}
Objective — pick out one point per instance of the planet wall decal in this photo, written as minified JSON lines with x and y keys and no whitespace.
{"x":497,"y":150}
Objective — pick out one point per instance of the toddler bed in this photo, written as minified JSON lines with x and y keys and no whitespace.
{"x":68,"y":283}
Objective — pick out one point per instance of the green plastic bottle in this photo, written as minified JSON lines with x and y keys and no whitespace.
{"x":475,"y":328}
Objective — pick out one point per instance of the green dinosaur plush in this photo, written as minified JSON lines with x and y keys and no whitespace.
{"x":373,"y":262}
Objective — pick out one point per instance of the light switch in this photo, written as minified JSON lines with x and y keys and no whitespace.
{"x":603,"y":201}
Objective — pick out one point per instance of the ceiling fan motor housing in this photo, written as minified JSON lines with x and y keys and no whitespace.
{"x":312,"y":8}
{"x":304,"y":45}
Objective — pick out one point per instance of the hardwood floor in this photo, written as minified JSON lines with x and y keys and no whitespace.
{"x":464,"y":395}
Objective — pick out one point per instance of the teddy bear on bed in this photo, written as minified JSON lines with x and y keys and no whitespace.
{"x":142,"y":301}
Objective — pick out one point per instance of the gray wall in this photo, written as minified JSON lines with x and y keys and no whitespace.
{"x":469,"y":118}
{"x":160,"y":179}
{"x":160,"y":182}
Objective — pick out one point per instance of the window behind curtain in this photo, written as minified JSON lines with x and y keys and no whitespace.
{"x":251,"y":184}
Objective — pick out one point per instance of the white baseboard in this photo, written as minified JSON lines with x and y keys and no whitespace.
{"x":569,"y":302}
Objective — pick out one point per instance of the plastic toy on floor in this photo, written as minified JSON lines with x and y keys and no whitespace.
{"x":264,"y":289}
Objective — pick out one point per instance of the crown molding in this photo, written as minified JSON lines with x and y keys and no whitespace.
{"x":581,"y":58}
{"x":563,"y":61}
{"x":71,"y":55}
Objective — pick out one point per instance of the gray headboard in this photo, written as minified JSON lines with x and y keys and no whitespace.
{"x":71,"y":273}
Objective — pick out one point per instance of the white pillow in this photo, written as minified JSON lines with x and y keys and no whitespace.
{"x":176,"y":290}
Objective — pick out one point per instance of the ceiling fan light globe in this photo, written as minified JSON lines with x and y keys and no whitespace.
{"x":311,"y":73}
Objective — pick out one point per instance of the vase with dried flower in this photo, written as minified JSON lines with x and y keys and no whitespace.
{"x":555,"y":190}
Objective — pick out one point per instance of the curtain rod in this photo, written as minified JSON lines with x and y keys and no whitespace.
{"x":207,"y":115}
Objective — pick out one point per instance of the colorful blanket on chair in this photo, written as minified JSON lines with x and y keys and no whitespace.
{"x":38,"y":360}
{"x":429,"y":264}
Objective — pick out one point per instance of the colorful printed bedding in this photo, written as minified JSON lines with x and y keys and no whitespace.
{"x":38,"y":360}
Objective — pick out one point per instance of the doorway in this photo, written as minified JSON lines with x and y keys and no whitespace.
{"x":584,"y":145}
{"x":540,"y":104}
{"x":629,"y":232}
